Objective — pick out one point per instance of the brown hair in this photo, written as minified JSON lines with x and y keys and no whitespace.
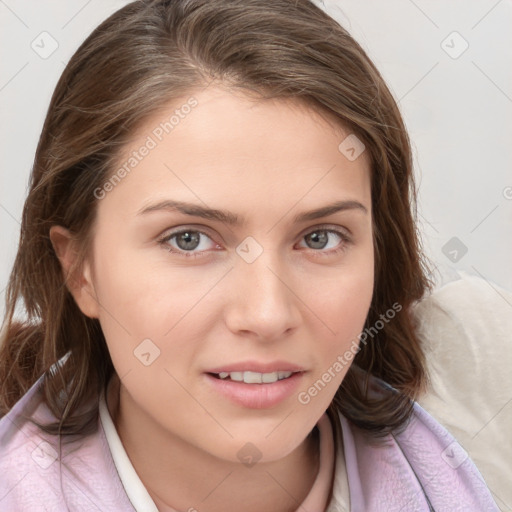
{"x":143,"y":56}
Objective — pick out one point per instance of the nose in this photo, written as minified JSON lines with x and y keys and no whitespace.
{"x":263,"y":301}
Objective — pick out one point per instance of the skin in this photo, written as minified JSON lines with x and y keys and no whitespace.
{"x":298,"y":301}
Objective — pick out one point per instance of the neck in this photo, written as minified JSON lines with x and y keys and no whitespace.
{"x":221,"y":487}
{"x":180,"y":476}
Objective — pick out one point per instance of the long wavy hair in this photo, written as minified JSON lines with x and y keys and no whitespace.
{"x":137,"y":61}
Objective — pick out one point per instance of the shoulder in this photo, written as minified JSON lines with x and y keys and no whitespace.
{"x":419,"y":465}
{"x":442,"y":465}
{"x":42,"y":471}
{"x":25,"y":454}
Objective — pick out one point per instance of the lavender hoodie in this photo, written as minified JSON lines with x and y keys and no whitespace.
{"x":420,"y":469}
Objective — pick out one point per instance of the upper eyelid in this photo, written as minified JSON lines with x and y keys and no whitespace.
{"x":170,"y":234}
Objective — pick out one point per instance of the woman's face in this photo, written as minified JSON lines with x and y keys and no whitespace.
{"x":216,"y":253}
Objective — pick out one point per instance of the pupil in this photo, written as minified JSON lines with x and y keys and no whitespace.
{"x":319,"y":238}
{"x":190,"y":239}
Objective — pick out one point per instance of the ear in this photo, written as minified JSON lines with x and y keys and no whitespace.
{"x":78,"y":279}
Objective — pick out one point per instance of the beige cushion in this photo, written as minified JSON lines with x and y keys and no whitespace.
{"x":466,"y":326}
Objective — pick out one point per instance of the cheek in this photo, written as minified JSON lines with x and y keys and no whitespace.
{"x":346,"y":299}
{"x":347,"y":322}
{"x":141,"y":301}
{"x":346,"y":306}
{"x":143,"y":292}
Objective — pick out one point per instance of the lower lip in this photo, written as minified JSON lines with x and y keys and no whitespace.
{"x":256,"y":396}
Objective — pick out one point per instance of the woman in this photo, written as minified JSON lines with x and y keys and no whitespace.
{"x":218,"y":259}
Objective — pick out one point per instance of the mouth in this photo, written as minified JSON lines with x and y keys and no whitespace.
{"x":249,"y":377}
{"x":256,"y":390}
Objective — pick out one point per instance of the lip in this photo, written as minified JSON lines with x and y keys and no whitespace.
{"x":255,"y":366}
{"x":256,"y":396}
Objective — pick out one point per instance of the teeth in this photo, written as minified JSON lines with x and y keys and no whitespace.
{"x":252,"y":377}
{"x":255,"y":377}
{"x":268,"y":378}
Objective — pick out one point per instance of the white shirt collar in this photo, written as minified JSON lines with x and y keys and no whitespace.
{"x":135,"y":490}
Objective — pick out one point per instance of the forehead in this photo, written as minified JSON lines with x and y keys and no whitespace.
{"x":218,"y":145}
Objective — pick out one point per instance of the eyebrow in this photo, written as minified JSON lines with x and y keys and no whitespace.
{"x":234,"y":220}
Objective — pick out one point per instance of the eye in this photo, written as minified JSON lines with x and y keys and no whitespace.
{"x":323,"y":238}
{"x":194,"y":243}
{"x":186,"y":241}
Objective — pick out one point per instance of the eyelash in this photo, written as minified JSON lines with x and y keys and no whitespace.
{"x":163,"y":242}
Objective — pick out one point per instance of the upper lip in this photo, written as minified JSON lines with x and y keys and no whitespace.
{"x":254,"y":366}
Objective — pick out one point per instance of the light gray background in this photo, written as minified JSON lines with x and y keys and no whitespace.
{"x":457,"y":108}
